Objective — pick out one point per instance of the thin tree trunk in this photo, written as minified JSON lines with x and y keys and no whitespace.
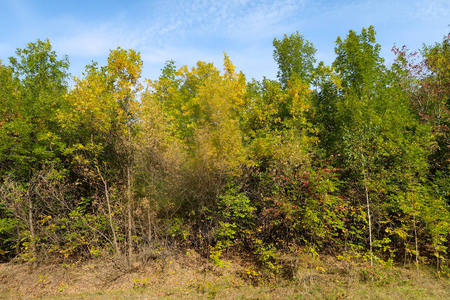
{"x":130,"y":242}
{"x":30,"y":220}
{"x":368,"y":215}
{"x":414,"y":224}
{"x":415,"y":235}
{"x":416,"y":241}
{"x":108,"y":202}
{"x":437,"y":256}
{"x":130,"y":220}
{"x":150,"y":237}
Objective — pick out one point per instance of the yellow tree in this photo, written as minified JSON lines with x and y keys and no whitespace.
{"x":201,"y":108}
{"x":99,"y":123}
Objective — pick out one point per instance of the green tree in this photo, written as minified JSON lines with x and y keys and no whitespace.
{"x":425,"y":80}
{"x":380,"y":135}
{"x":295,"y":57}
{"x":8,"y":114}
{"x":36,"y":89}
{"x":33,"y":91}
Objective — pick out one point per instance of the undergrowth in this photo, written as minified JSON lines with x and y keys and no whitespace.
{"x":190,"y":276}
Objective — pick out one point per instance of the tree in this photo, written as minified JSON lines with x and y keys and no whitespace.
{"x":295,"y":57}
{"x":124,"y":70}
{"x":8,"y":114}
{"x":100,"y":125}
{"x":34,"y":89}
{"x":201,"y":109}
{"x":425,"y":80}
{"x":379,"y":132}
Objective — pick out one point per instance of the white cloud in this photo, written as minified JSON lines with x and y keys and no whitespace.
{"x":188,"y":31}
{"x":91,"y":43}
{"x":181,"y":55}
{"x":88,"y":39}
{"x":233,"y":18}
{"x":433,"y":9}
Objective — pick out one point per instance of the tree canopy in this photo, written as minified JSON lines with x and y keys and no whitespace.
{"x":350,"y":159}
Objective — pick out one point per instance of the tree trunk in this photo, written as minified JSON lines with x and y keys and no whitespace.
{"x":416,"y":243}
{"x":368,"y":216}
{"x":130,"y":242}
{"x":31,"y":222}
{"x":129,"y":212}
{"x":108,"y":202}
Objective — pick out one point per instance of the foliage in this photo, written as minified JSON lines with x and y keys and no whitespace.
{"x":295,"y":58}
{"x":350,"y":159}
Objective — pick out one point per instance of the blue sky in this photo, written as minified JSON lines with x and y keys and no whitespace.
{"x":190,"y":30}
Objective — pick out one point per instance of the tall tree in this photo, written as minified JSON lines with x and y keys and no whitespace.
{"x":377,"y":128}
{"x":100,"y":125}
{"x":34,"y":88}
{"x":295,"y":57}
{"x":425,"y":79}
{"x":124,"y":70}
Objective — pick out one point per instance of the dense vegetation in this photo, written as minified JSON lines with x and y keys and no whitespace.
{"x":351,"y":159}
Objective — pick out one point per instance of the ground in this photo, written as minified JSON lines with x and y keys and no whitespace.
{"x":189,"y":276}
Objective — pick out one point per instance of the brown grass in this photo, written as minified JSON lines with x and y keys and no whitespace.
{"x":190,"y":276}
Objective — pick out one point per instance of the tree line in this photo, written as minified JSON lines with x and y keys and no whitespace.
{"x":351,"y":159}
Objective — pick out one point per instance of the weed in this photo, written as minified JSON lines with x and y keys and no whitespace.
{"x":43,"y":279}
{"x":141,"y":283}
{"x":62,"y":286}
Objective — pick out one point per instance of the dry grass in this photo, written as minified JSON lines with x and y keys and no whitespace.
{"x":192,"y":277}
